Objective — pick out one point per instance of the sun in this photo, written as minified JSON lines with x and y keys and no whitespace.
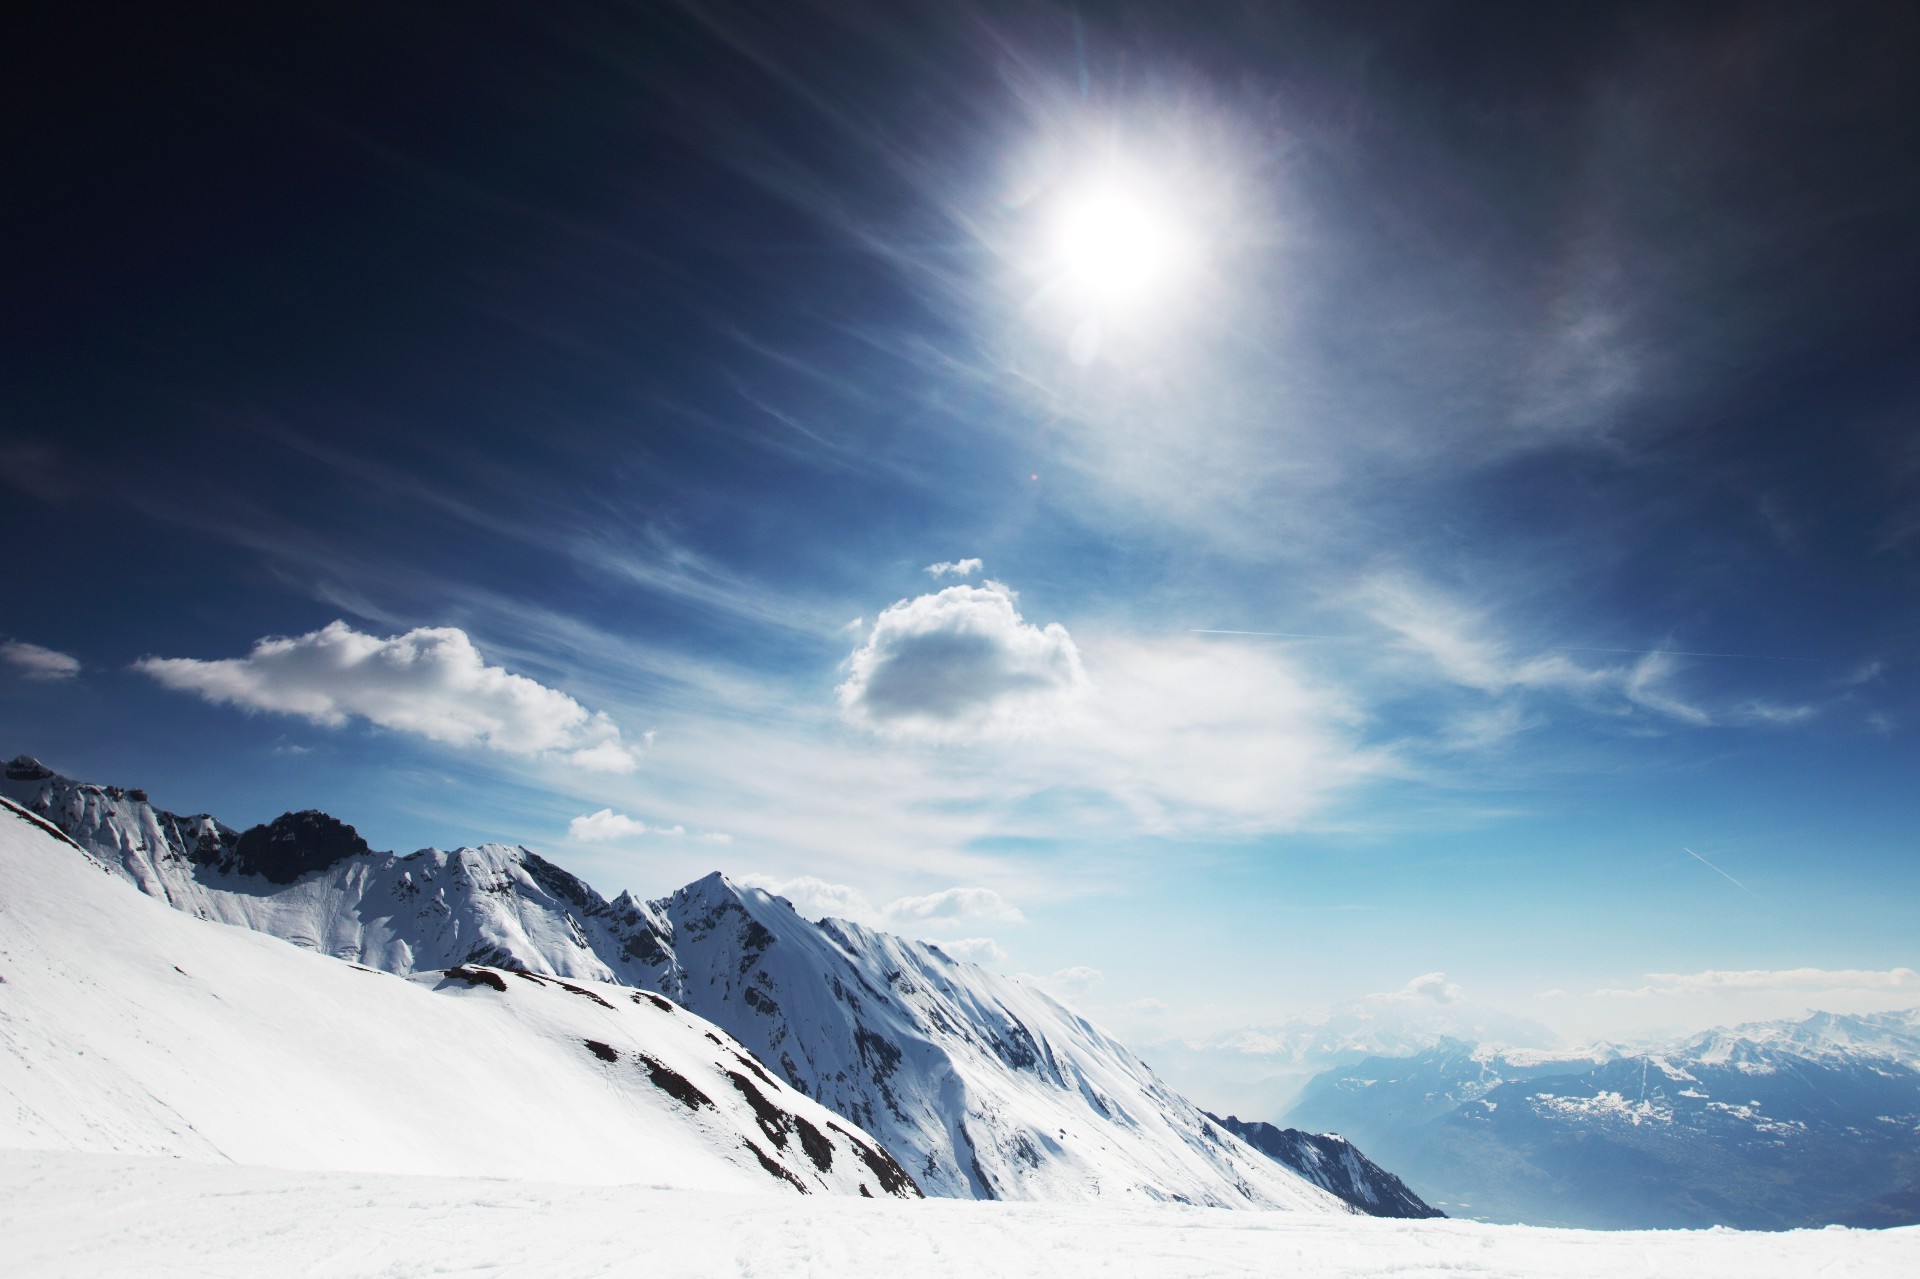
{"x":1115,"y":246}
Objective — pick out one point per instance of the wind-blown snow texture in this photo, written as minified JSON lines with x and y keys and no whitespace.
{"x":130,"y":1028}
{"x":981,"y":1087}
{"x":90,"y":1215}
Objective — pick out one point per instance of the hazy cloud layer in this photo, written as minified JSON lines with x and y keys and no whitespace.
{"x":1810,"y":981}
{"x":37,"y":663}
{"x":962,"y":663}
{"x":431,"y":682}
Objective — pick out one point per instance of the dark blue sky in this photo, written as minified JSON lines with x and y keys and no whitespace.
{"x":1542,"y":379}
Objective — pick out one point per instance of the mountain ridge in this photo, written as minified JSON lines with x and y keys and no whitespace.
{"x":981,"y":1087}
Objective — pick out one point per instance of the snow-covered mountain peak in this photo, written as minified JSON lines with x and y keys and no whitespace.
{"x":135,"y":1029}
{"x":982,"y":1088}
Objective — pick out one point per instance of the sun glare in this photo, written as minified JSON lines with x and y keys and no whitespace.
{"x":1115,"y":246}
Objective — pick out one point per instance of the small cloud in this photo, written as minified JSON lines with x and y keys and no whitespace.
{"x":973,"y":950}
{"x":956,"y":904}
{"x":1555,"y":993}
{"x":815,"y":898}
{"x":1148,"y":1007}
{"x":1428,"y":987}
{"x":37,"y":663}
{"x":1079,"y":979}
{"x":714,"y":837}
{"x":431,"y":682}
{"x":962,"y":663}
{"x":955,"y":568}
{"x":607,"y":824}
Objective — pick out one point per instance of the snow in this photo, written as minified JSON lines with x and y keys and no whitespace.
{"x":127,"y":1027}
{"x":90,"y":1215}
{"x":982,"y":1087}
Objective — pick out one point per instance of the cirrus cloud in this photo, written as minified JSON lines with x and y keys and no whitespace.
{"x":962,"y":663}
{"x":431,"y":682}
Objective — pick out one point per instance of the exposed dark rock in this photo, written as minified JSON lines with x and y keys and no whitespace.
{"x":815,"y":1143}
{"x":605,"y":1052}
{"x":674,"y":1084}
{"x":1334,"y":1164}
{"x":571,"y":989}
{"x":478,"y":977}
{"x":774,"y":1169}
{"x":296,"y":844}
{"x":25,"y":768}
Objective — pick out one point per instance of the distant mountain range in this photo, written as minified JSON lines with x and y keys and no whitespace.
{"x":978,"y":1086}
{"x":1764,"y":1126}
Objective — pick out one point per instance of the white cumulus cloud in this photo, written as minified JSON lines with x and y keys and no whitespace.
{"x":956,"y":568}
{"x":1426,"y":988}
{"x":607,"y":824}
{"x":955,"y":904}
{"x":815,"y":898}
{"x":37,"y":663}
{"x":431,"y":681}
{"x":962,"y":663}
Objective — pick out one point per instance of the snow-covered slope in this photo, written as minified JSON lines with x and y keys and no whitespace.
{"x":80,"y":1216}
{"x":128,"y":1027}
{"x":1333,"y":1163}
{"x":982,"y":1088}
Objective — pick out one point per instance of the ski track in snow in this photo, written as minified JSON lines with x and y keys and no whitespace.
{"x":67,"y":1214}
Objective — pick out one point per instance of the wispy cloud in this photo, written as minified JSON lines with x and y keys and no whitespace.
{"x":955,"y":568}
{"x":1466,"y":647}
{"x":36,"y":663}
{"x":431,"y":682}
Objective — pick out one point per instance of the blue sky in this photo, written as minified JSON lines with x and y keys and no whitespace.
{"x":1217,"y":509}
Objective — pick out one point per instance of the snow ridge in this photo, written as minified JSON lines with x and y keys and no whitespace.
{"x":132,"y":1029}
{"x":980,"y":1087}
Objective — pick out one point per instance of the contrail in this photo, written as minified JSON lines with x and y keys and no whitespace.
{"x":1723,"y":874}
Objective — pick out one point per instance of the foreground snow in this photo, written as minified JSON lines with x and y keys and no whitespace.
{"x":71,"y":1214}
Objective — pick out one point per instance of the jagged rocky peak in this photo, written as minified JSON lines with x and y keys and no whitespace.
{"x":1333,"y":1163}
{"x":25,"y":768}
{"x":296,"y":844}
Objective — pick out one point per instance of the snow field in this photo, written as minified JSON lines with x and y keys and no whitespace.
{"x":64,"y":1214}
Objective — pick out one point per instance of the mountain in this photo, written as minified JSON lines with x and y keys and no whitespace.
{"x":981,"y":1087}
{"x":1262,"y":1069}
{"x":1766,"y":1126}
{"x":134,"y":1029}
{"x":1334,"y":1164}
